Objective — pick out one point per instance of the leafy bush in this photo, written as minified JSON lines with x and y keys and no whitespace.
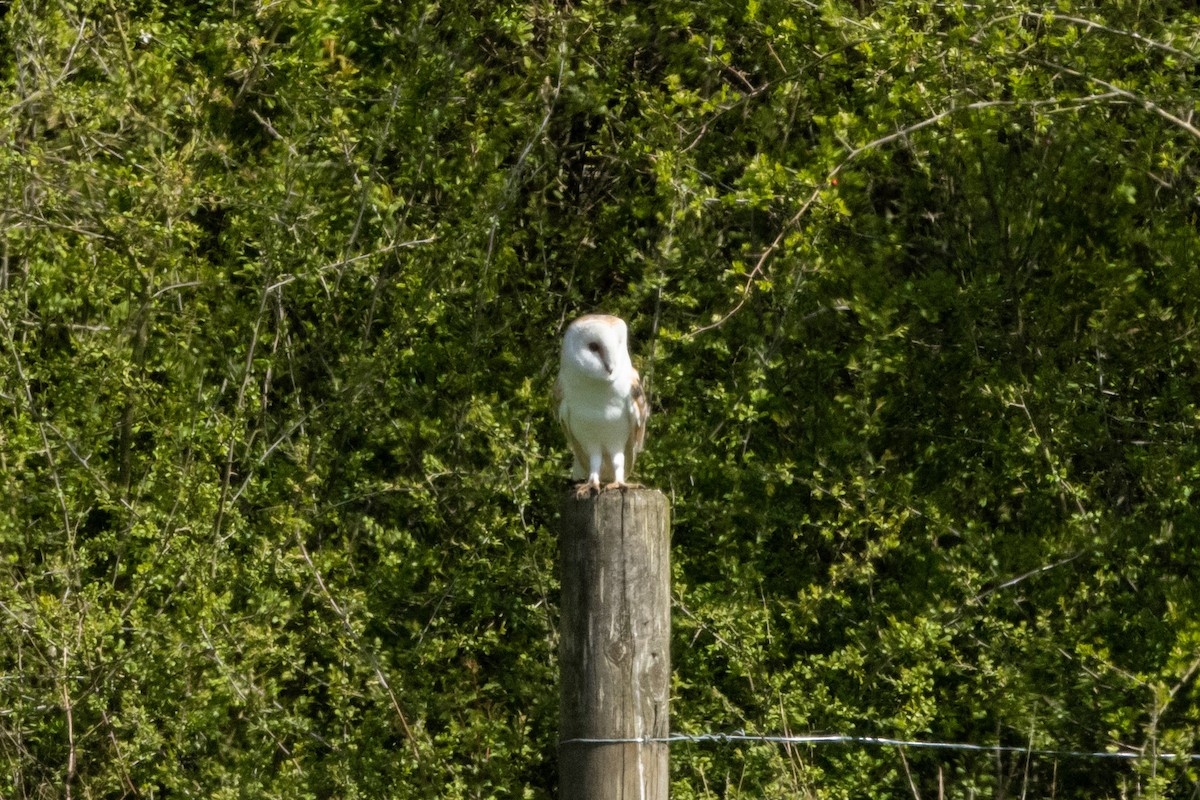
{"x":911,"y":286}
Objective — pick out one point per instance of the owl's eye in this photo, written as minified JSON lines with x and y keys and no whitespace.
{"x":594,"y":347}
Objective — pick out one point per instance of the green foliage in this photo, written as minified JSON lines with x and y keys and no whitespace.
{"x":911,"y":285}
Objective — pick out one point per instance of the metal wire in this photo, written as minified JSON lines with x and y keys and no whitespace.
{"x":741,"y":736}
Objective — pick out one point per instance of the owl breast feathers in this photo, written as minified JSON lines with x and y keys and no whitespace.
{"x":599,"y":402}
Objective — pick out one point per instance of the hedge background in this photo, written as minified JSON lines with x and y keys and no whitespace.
{"x":913,"y":286}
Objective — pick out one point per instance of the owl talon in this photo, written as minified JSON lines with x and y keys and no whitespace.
{"x":586,"y":488}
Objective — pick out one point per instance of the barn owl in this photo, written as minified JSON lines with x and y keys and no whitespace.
{"x":598,"y":399}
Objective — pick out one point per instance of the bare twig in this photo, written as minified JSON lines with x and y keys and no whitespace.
{"x":1008,"y":584}
{"x":286,"y":279}
{"x":1089,"y":24}
{"x":248,"y":367}
{"x":242,"y":694}
{"x":1067,"y":489}
{"x":41,"y":426}
{"x":908,"y":774}
{"x":112,"y":737}
{"x":1149,"y":105}
{"x":68,"y":709}
{"x":345,"y":620}
{"x":276,"y":135}
{"x":901,"y":133}
{"x":175,"y":286}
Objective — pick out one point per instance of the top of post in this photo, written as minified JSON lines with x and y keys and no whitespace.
{"x":633,"y":492}
{"x":615,"y":508}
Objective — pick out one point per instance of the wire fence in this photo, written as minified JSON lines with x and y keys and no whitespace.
{"x":878,"y":741}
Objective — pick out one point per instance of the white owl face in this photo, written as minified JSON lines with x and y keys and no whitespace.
{"x":596,"y":346}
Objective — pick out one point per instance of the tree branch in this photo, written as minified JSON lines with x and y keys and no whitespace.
{"x":876,"y":144}
{"x":1149,"y":105}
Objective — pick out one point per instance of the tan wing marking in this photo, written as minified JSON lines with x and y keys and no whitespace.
{"x":639,"y":410}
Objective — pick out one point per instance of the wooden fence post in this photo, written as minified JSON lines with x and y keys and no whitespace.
{"x":614,"y":651}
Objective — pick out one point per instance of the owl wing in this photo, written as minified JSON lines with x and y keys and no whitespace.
{"x":562,"y":413}
{"x":639,"y":412}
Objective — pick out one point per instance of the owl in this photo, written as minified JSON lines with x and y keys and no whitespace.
{"x":599,"y":402}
